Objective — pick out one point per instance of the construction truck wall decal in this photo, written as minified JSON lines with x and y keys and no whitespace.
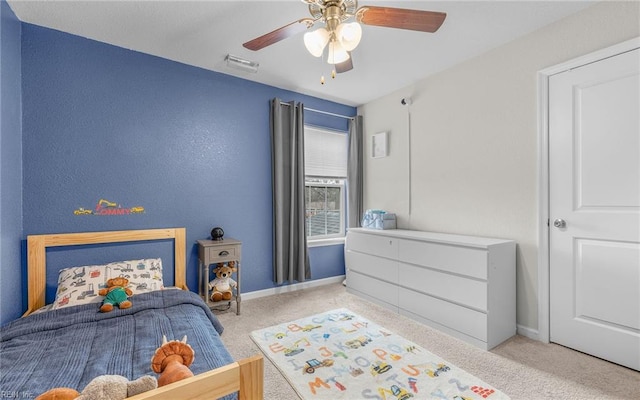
{"x":106,"y":207}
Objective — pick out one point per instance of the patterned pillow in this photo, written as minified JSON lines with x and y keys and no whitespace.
{"x":80,"y":285}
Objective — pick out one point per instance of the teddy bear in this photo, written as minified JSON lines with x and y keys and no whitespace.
{"x":104,"y":387}
{"x":223,"y":283}
{"x":116,"y":294}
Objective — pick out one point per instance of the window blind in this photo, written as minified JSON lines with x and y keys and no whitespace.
{"x":325,"y":153}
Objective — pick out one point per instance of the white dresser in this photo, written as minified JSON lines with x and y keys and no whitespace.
{"x":462,"y":285}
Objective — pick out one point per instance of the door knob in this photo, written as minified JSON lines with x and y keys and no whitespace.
{"x":560,"y":223}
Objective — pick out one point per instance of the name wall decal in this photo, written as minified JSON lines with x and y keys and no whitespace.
{"x":106,"y":207}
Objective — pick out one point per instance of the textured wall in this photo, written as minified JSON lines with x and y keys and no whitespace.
{"x":11,"y":272}
{"x":189,"y":145}
{"x":474,"y":140}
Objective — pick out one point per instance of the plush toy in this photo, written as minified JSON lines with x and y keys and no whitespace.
{"x":104,"y":387}
{"x":221,"y":286}
{"x":116,"y":387}
{"x":172,"y":360}
{"x":62,"y":393}
{"x":116,"y":294}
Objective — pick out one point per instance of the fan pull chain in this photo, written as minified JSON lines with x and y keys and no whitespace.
{"x":333,"y":70}
{"x":322,"y":65}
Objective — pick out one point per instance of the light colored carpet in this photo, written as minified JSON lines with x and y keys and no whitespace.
{"x":521,"y":368}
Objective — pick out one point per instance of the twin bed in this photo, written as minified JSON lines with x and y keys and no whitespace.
{"x":69,"y":346}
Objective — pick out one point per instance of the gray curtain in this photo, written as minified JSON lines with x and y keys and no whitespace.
{"x":290,"y":256}
{"x":354,"y":172}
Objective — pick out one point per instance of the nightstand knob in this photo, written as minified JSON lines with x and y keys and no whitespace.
{"x":223,"y":253}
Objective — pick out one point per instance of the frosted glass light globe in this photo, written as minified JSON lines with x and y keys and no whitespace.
{"x":349,"y":35}
{"x":316,"y":40}
{"x":337,"y":53}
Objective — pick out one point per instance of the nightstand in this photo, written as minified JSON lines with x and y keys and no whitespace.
{"x":213,"y":252}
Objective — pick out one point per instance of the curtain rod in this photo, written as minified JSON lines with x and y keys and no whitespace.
{"x":320,"y":111}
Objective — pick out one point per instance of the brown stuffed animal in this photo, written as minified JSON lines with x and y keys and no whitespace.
{"x":62,"y":393}
{"x":222,"y":285}
{"x":116,"y":294}
{"x":172,"y":360}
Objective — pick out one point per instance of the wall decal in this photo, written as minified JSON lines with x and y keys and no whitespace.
{"x":106,"y":207}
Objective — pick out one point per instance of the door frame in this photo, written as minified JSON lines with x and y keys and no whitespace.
{"x":544,"y":300}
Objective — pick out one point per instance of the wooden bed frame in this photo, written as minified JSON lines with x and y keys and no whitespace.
{"x":245,"y":376}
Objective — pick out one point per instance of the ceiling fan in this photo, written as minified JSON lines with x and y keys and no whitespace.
{"x":341,"y":37}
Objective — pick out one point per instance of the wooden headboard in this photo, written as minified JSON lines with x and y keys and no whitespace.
{"x":37,"y":254}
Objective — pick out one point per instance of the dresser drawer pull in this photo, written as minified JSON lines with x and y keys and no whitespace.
{"x":223,"y":253}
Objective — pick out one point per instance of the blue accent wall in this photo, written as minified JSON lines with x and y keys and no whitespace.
{"x":189,"y":145}
{"x":11,"y":272}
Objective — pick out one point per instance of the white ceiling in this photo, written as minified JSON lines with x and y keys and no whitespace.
{"x":202,"y":33}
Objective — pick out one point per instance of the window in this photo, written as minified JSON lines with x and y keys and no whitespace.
{"x":325,"y":155}
{"x":324,"y":205}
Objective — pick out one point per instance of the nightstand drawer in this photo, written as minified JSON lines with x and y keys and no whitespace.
{"x":223,"y":253}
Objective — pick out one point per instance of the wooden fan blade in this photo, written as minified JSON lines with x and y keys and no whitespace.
{"x":414,"y":20}
{"x":345,"y":65}
{"x":279,"y":34}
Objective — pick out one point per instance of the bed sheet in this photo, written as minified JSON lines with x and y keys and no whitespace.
{"x":71,"y":346}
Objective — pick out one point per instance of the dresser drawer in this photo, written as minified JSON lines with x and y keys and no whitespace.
{"x":376,"y":289}
{"x":376,"y":267}
{"x":456,"y":259}
{"x":455,"y":288}
{"x":469,"y":322}
{"x":223,"y":253}
{"x":372,"y":244}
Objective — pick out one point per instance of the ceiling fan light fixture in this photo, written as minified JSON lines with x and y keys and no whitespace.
{"x":349,"y":35}
{"x":337,"y":53}
{"x":316,"y":41}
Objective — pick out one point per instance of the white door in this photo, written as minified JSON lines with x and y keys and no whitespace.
{"x":594,"y":208}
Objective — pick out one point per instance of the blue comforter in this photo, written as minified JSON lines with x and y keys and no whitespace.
{"x":71,"y":346}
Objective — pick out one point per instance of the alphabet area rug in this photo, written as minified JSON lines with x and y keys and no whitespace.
{"x":341,"y":355}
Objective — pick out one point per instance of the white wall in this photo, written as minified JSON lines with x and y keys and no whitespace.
{"x":474,"y":140}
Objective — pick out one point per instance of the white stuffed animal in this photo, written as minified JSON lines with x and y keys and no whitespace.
{"x":116,"y":387}
{"x":222,"y":285}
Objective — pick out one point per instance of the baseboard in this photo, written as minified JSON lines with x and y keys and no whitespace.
{"x":527,"y":332}
{"x":292,"y":288}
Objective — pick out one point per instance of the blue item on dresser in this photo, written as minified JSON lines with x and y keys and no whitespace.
{"x":378,"y":219}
